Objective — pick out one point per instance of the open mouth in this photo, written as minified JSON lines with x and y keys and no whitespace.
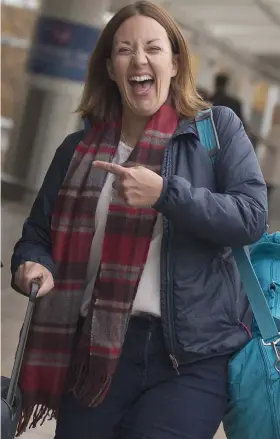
{"x":141,"y":84}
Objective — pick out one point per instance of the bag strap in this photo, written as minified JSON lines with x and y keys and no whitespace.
{"x":21,"y":345}
{"x":206,"y":129}
{"x":258,"y":302}
{"x":209,"y":139}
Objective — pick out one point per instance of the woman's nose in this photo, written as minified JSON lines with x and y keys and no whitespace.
{"x":140,"y":57}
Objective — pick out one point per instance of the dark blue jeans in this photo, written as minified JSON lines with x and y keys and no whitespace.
{"x":147,"y":398}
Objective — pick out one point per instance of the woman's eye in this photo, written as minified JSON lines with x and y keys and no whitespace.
{"x":154,"y":49}
{"x":124,"y":50}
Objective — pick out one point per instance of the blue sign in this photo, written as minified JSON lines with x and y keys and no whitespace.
{"x":61,"y":49}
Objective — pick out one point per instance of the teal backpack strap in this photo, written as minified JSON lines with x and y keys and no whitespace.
{"x":207,"y":133}
{"x":209,"y":139}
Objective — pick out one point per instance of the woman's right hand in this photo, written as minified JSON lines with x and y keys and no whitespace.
{"x":30,"y":271}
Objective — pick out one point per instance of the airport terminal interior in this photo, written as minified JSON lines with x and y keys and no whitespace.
{"x":234,"y":39}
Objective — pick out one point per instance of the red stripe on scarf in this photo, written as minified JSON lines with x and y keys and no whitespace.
{"x":114,"y":250}
{"x":39,"y":378}
{"x":77,"y":249}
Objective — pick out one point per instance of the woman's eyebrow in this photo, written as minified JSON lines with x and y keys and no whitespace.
{"x":122,"y":42}
{"x":129,"y":43}
{"x":153,"y":40}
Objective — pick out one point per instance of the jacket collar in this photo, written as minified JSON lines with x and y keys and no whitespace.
{"x":186,"y":126}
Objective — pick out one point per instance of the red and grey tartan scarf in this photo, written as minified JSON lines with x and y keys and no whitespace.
{"x":54,"y":361}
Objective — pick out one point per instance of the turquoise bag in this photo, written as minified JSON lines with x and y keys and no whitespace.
{"x":254,"y":372}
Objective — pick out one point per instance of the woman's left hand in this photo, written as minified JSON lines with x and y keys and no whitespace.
{"x":138,"y":186}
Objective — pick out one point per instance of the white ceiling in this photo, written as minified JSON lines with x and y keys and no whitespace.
{"x":28,"y":4}
{"x":249,"y":27}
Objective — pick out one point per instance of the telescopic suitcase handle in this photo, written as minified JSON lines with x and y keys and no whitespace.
{"x":35,"y":286}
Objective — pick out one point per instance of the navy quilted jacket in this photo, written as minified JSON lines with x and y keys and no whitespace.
{"x":206,"y":212}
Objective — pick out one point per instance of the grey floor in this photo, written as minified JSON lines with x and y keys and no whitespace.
{"x":13,"y":305}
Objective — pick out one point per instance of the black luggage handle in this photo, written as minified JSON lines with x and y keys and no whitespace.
{"x":22,"y":342}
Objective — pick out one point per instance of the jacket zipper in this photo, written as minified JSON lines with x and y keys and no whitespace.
{"x":168,"y":170}
{"x":170,"y":307}
{"x":175,"y":363}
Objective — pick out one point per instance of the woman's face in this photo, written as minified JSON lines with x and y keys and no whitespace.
{"x":142,"y":64}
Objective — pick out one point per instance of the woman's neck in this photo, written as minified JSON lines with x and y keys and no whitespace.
{"x":132,"y":128}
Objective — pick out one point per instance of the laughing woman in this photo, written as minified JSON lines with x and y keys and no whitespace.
{"x":130,"y":236}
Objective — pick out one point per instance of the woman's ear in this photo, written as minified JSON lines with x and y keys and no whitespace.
{"x":110,"y":69}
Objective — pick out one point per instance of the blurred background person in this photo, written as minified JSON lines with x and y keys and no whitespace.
{"x":270,"y":162}
{"x":222,"y":97}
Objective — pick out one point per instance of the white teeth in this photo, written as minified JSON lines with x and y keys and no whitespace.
{"x":141,"y":78}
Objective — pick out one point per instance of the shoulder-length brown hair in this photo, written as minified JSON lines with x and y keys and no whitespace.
{"x":101,"y":98}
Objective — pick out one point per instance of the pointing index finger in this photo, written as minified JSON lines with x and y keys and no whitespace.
{"x":113,"y":168}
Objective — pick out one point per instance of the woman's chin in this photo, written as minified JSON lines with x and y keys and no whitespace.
{"x":145,"y":108}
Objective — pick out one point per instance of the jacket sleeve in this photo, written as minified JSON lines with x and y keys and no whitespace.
{"x":35,"y":243}
{"x":237,"y":214}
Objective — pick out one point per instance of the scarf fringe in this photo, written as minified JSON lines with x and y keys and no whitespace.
{"x":85,"y":386}
{"x":39,"y":414}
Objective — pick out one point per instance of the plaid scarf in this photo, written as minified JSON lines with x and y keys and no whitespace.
{"x":55,"y":361}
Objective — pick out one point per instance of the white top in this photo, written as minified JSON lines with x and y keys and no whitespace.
{"x":148,"y":293}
